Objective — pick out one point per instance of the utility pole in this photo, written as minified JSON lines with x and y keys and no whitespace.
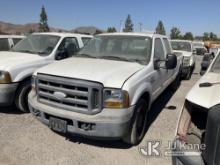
{"x":121,"y":25}
{"x":140,"y":24}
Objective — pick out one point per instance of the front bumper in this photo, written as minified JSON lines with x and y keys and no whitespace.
{"x":7,"y":93}
{"x":109,"y":123}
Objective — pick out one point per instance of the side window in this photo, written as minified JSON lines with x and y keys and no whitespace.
{"x":85,"y":40}
{"x":4,"y":45}
{"x":69,"y":46}
{"x":158,"y":49}
{"x":167,"y":46}
{"x":16,"y":40}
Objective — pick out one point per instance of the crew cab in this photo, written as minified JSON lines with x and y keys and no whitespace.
{"x":199,"y":124}
{"x":186,"y":48}
{"x":33,"y":52}
{"x":9,"y":41}
{"x":107,"y":89}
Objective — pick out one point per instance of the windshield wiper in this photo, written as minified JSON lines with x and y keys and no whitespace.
{"x":208,"y":84}
{"x":113,"y":58}
{"x":84,"y":55}
{"x":27,"y":51}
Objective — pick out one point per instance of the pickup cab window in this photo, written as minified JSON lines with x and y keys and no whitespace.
{"x":4,"y":45}
{"x":85,"y":40}
{"x":167,"y":46}
{"x":182,"y":46}
{"x":70,"y":45}
{"x":159,"y":53}
{"x":16,"y":40}
{"x":37,"y":44}
{"x":123,"y":48}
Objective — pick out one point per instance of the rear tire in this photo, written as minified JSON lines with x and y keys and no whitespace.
{"x":21,"y":99}
{"x":138,"y":123}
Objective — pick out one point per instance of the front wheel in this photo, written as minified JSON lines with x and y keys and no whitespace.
{"x":21,"y":99}
{"x":138,"y":123}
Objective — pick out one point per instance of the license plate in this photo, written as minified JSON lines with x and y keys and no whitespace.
{"x":58,"y":125}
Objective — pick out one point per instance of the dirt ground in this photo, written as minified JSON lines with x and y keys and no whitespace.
{"x":26,"y":141}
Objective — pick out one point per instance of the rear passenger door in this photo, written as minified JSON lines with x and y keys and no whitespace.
{"x":161,"y":74}
{"x":168,"y":50}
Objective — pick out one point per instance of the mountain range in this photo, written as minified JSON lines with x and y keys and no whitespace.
{"x":9,"y":28}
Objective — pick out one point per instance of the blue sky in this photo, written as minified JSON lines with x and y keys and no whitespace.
{"x":197,"y":16}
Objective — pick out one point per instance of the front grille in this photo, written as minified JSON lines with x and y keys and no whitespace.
{"x":69,"y":94}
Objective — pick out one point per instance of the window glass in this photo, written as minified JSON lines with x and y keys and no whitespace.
{"x":70,"y":45}
{"x":16,"y":40}
{"x":158,"y":50}
{"x":182,"y":46}
{"x":167,"y":46}
{"x":85,"y":40}
{"x":127,"y":48}
{"x":216,"y":66}
{"x":4,"y":46}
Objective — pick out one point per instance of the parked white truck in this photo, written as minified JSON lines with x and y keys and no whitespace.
{"x":198,"y":134}
{"x":33,"y":52}
{"x":186,"y":49}
{"x":107,"y":89}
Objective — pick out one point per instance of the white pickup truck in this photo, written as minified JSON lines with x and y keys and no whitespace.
{"x":33,"y":52}
{"x":186,"y":49}
{"x":107,"y":89}
{"x":198,"y":134}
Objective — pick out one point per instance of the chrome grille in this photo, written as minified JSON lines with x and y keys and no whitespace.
{"x":69,"y":94}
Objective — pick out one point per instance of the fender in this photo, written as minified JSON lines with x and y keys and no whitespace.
{"x":24,"y":74}
{"x":143,"y":88}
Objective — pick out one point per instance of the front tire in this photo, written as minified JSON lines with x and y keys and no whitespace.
{"x":21,"y":99}
{"x":138,"y":123}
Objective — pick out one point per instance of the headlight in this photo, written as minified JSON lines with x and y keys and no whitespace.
{"x":33,"y":82}
{"x":186,"y":61}
{"x":115,"y":98}
{"x":5,"y":77}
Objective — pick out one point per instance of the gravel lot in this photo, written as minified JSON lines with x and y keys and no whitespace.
{"x":25,"y":141}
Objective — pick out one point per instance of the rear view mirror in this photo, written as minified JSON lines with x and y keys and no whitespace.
{"x":205,"y":64}
{"x":171,"y":61}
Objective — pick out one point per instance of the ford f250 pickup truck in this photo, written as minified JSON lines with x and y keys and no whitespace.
{"x":186,"y":48}
{"x":198,"y":135}
{"x":33,"y":52}
{"x":107,"y":89}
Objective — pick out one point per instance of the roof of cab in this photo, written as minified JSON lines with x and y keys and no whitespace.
{"x":182,"y":41}
{"x":63,"y":34}
{"x":12,"y":36}
{"x":144,"y":34}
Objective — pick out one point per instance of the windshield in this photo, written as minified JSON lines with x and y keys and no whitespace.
{"x":198,"y":45}
{"x":182,"y":46}
{"x":216,"y":65}
{"x":124,"y":48}
{"x":37,"y":44}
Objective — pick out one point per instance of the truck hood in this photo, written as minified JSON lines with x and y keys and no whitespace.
{"x":184,"y":53}
{"x":108,"y":72}
{"x":206,"y":97}
{"x":10,"y":60}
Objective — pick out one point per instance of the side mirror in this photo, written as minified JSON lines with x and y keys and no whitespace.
{"x":194,"y":51}
{"x":171,"y":61}
{"x":61,"y":54}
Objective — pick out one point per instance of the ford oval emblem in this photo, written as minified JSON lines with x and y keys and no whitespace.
{"x":59,"y":95}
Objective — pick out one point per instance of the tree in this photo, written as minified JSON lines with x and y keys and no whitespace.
{"x":188,"y":36}
{"x":206,"y":36}
{"x":43,"y":25}
{"x":160,"y":28}
{"x":128,"y":25}
{"x":213,"y":36}
{"x":111,"y":30}
{"x":175,"y":33}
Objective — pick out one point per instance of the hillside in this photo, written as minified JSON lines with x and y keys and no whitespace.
{"x":9,"y":28}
